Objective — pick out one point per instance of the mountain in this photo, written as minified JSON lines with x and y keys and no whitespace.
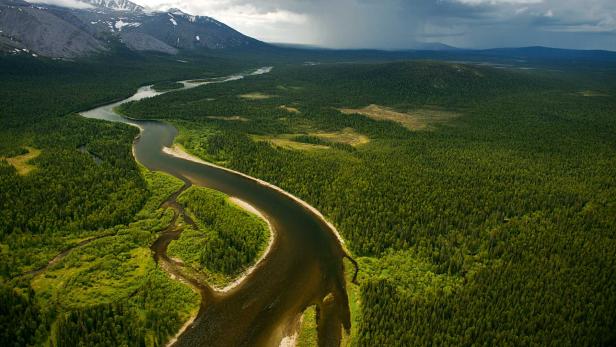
{"x":61,"y":32}
{"x":116,"y":5}
{"x":433,"y":46}
{"x":27,"y":29}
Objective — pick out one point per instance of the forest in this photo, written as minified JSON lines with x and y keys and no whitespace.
{"x":226,"y":240}
{"x":77,"y":213}
{"x":479,"y":202}
{"x":492,"y":225}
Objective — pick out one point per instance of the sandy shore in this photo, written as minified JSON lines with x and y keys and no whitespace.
{"x":183,"y":329}
{"x":292,"y":334}
{"x":178,"y":152}
{"x":270,"y":242}
{"x":290,"y":340}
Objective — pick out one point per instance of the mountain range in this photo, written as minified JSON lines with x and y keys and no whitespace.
{"x":62,"y":32}
{"x":99,"y":26}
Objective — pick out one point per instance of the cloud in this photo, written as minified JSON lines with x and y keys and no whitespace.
{"x":405,"y":23}
{"x":265,"y":20}
{"x":498,"y":2}
{"x":63,"y":3}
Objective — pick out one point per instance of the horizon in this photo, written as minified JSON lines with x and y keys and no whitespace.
{"x":453,"y":48}
{"x":402,"y":25}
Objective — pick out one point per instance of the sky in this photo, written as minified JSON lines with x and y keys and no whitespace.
{"x":399,"y":24}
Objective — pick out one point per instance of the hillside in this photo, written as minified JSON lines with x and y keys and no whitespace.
{"x":58,"y":32}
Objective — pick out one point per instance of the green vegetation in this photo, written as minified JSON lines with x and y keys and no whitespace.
{"x":491,"y":227}
{"x":110,"y":279}
{"x":228,"y":239}
{"x":81,"y":185}
{"x":308,"y":335}
{"x":21,"y":162}
{"x":25,"y":330}
{"x":166,"y":86}
{"x":72,"y":198}
{"x":37,"y":89}
{"x":478,"y":202}
{"x":149,"y":317}
{"x":308,"y":331}
{"x":111,"y":284}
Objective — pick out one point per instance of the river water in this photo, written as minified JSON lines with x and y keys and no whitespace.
{"x":304,"y":266}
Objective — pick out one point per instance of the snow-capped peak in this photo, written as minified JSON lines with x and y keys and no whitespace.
{"x":177,"y":12}
{"x":117,"y":5}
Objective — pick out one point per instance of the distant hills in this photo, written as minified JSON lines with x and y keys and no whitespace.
{"x":100,"y":25}
{"x":61,"y":32}
{"x":547,"y":53}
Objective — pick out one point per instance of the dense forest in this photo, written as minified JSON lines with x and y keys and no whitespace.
{"x":227,"y":239}
{"x":492,"y":224}
{"x":77,"y":214}
{"x":478,"y":201}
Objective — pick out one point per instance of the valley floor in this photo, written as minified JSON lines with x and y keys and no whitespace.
{"x":478,"y":202}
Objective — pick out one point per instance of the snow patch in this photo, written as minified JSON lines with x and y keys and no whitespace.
{"x":177,"y":12}
{"x":118,"y":5}
{"x":121,"y":24}
{"x":173,"y":21}
{"x":197,"y":38}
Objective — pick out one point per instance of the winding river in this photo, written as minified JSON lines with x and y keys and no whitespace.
{"x":304,"y":266}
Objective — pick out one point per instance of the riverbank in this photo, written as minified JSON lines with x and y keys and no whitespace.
{"x":179,"y":152}
{"x":270,"y":242}
{"x":251,"y":310}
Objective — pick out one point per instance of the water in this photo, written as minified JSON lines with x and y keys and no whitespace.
{"x":303,"y":267}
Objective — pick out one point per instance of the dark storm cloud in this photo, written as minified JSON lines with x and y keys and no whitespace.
{"x":403,"y":24}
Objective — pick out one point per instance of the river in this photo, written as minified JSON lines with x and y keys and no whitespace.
{"x":304,"y":266}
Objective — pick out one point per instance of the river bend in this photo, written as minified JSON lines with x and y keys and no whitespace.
{"x":304,"y":266}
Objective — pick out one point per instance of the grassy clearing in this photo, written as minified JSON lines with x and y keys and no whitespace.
{"x":308,"y":336}
{"x":231,"y":118}
{"x":317,"y":140}
{"x":592,"y":93}
{"x":290,"y":109}
{"x":20,"y":253}
{"x":256,"y":96}
{"x":117,"y":271}
{"x":102,"y":272}
{"x":23,"y":252}
{"x":108,"y":269}
{"x":420,"y":119}
{"x":286,"y":141}
{"x":289,"y":88}
{"x":348,"y":136}
{"x":22,"y":162}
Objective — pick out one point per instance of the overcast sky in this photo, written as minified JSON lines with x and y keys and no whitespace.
{"x":585,"y":24}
